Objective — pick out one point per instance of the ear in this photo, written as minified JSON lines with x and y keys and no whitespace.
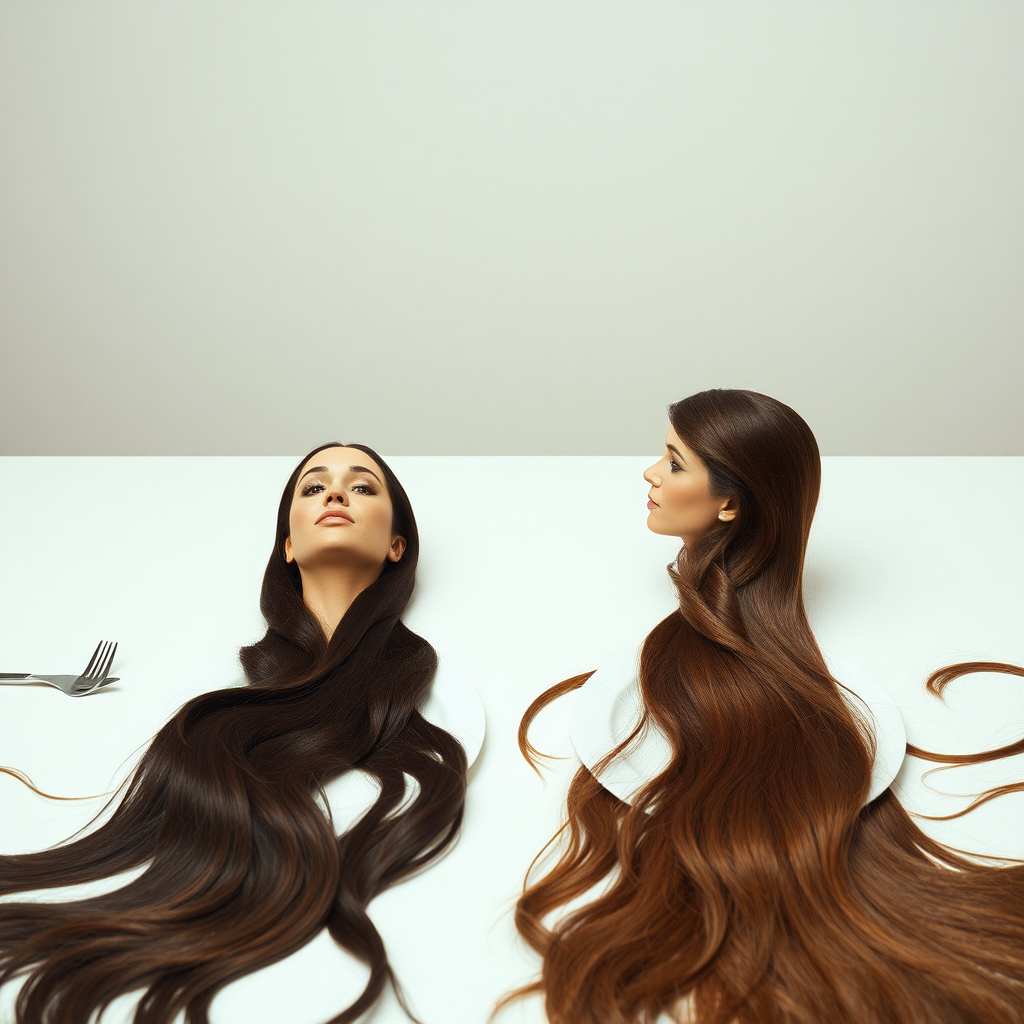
{"x":729,"y":511}
{"x":397,"y":549}
{"x":288,"y":556}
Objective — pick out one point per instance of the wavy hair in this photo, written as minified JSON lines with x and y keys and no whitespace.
{"x":748,"y":882}
{"x":242,"y":865}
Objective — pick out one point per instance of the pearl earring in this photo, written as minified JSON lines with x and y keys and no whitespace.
{"x":722,"y":516}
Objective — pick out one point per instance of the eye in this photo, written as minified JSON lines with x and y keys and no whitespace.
{"x":311,"y":489}
{"x":676,"y":468}
{"x":364,"y":489}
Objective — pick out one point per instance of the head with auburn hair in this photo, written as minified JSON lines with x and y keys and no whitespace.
{"x":763,"y":456}
{"x":748,"y":883}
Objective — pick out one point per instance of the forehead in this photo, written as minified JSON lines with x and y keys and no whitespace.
{"x":690,"y":457}
{"x":340,"y":460}
{"x":673,"y":439}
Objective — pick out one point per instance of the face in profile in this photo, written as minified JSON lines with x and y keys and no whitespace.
{"x":341,"y":514}
{"x":680,"y":501}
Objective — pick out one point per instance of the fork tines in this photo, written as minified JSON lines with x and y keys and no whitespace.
{"x":99,"y":665}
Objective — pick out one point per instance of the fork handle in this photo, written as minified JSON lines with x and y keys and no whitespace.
{"x":15,"y":675}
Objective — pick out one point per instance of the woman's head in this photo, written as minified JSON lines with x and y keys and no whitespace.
{"x":341,"y":513}
{"x":384,"y":525}
{"x":683,"y":501}
{"x":380,"y":544}
{"x":739,"y":478}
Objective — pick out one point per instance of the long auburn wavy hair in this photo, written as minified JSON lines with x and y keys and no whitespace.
{"x":243,"y":864}
{"x":748,"y":882}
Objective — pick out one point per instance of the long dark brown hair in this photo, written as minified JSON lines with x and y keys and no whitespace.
{"x":242,"y":865}
{"x":748,"y":882}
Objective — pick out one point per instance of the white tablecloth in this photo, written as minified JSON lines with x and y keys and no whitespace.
{"x":532,"y":569}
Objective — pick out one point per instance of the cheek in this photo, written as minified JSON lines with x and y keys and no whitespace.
{"x":683,"y":493}
{"x":379,"y":522}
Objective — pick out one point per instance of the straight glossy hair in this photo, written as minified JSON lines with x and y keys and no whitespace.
{"x":243,"y":866}
{"x":748,"y":883}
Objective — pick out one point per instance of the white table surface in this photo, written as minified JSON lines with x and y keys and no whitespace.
{"x":532,"y":569}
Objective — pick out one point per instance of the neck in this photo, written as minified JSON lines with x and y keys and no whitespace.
{"x":329,"y":592}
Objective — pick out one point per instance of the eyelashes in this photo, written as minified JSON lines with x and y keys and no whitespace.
{"x":676,"y":468}
{"x":315,"y":488}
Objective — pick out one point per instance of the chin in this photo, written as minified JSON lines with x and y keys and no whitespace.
{"x":654,"y":527}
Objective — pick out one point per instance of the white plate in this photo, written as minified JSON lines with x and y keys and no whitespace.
{"x":455,"y":706}
{"x":608,"y":705}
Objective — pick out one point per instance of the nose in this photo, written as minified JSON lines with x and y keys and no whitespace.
{"x":651,"y":477}
{"x":337,"y":495}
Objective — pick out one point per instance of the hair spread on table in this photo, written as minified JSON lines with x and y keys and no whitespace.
{"x":748,"y":882}
{"x":243,"y":866}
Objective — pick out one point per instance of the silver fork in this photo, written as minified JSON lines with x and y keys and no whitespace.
{"x":94,"y":676}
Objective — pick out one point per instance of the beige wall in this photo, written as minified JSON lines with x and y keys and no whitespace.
{"x":507,"y":227}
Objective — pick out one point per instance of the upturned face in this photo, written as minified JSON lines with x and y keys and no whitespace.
{"x":680,"y":501}
{"x":341,"y":513}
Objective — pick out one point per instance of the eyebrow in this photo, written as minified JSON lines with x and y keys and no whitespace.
{"x":673,"y":448}
{"x":351,"y":469}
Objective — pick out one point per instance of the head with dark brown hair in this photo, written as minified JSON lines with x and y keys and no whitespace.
{"x":241,"y":864}
{"x":748,"y":882}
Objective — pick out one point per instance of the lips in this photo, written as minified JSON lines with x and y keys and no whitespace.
{"x":335,"y":515}
{"x":652,"y":504}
